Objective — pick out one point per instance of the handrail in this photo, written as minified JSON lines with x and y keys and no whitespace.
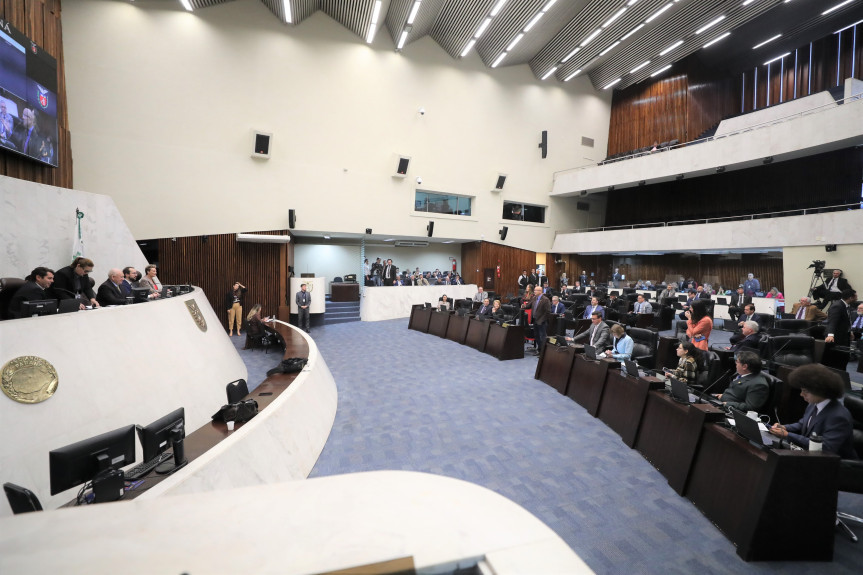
{"x":698,"y":221}
{"x":783,"y":119}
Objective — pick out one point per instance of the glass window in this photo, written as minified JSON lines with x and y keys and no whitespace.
{"x":523,"y":212}
{"x":437,"y":203}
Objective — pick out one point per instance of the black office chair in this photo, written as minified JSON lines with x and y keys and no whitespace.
{"x":772,"y":405}
{"x":710,"y":369}
{"x":337,"y":280}
{"x":792,"y":325}
{"x":21,"y":499}
{"x":8,"y":287}
{"x":237,"y":390}
{"x":851,"y":471}
{"x":644,"y":348}
{"x":793,"y":350}
{"x":680,"y":331}
{"x":509,"y":312}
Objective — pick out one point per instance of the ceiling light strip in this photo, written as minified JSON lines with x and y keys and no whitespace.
{"x":186,"y":5}
{"x":573,"y":75}
{"x":717,"y":39}
{"x":766,"y":42}
{"x":837,"y":7}
{"x":672,"y":47}
{"x":660,"y":71}
{"x":777,"y":58}
{"x":710,"y":25}
{"x":373,"y":26}
{"x":657,"y":13}
{"x":286,"y":7}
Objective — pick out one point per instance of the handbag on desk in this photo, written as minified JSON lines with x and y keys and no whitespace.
{"x":289,"y":365}
{"x":241,"y":412}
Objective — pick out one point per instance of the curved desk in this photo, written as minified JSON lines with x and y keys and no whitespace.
{"x":311,"y":526}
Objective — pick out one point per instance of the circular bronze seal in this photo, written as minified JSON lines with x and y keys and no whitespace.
{"x":29,"y":379}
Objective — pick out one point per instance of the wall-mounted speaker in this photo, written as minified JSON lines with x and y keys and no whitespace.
{"x":830,"y":247}
{"x":501,"y":180}
{"x":369,"y":231}
{"x":292,"y":219}
{"x":430,"y":228}
{"x":543,"y":144}
{"x":402,"y":166}
{"x":261,"y":144}
{"x":503,"y":232}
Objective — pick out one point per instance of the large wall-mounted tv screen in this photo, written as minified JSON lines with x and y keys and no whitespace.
{"x":28,"y":97}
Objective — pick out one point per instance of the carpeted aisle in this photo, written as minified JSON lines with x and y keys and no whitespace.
{"x":413,"y":401}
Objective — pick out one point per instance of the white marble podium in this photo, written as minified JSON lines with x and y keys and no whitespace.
{"x":380,"y":303}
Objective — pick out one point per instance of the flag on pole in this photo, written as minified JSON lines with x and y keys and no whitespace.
{"x":78,"y":244}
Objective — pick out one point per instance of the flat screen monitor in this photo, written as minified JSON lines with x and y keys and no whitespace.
{"x":80,"y":462}
{"x":140,"y":294}
{"x":38,"y":307}
{"x":156,"y":437}
{"x":28,"y":97}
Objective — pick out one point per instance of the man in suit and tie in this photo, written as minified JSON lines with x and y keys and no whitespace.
{"x":388,"y":274}
{"x":304,"y":300}
{"x":857,"y":325}
{"x":583,"y":278}
{"x":594,"y":307}
{"x":615,"y":277}
{"x":596,"y":336}
{"x":479,"y":296}
{"x":738,"y":300}
{"x":557,"y":308}
{"x":37,"y":287}
{"x":110,"y":292}
{"x":641,"y":306}
{"x":130,"y":278}
{"x":806,"y":311}
{"x":839,"y":319}
{"x":539,"y":317}
{"x":748,"y":337}
{"x":484,"y":309}
{"x":836,"y":285}
{"x":749,"y":391}
{"x":750,"y":315}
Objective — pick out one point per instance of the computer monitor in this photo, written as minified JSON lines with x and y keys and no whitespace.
{"x":166,"y":432}
{"x":140,"y":294}
{"x":80,"y":462}
{"x":38,"y":307}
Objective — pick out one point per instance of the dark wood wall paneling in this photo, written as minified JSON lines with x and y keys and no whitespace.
{"x":41,"y":21}
{"x":693,"y":99}
{"x":481,"y":255}
{"x":215,"y":264}
{"x":827,"y":179}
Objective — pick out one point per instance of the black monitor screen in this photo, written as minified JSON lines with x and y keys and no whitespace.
{"x":140,"y":294}
{"x":28,"y":97}
{"x":79,"y":463}
{"x":38,"y":307}
{"x":156,"y":437}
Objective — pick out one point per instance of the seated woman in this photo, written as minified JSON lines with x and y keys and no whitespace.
{"x":687,"y":364}
{"x":444,"y":303}
{"x":698,"y":324}
{"x":774,"y":293}
{"x":622,"y":344}
{"x":825,"y":415}
{"x":254,"y":326}
{"x":496,"y":310}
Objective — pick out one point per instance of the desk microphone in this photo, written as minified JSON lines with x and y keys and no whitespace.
{"x":71,"y":293}
{"x":704,"y":391}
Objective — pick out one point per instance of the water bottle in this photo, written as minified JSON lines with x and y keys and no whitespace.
{"x":815,"y":442}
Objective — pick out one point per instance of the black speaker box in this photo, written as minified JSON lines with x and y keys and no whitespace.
{"x":430,"y":228}
{"x":503,"y":232}
{"x":292,"y":219}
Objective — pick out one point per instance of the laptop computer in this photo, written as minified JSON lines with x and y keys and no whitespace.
{"x":590,"y":352}
{"x":751,"y":429}
{"x":69,"y":305}
{"x":631,"y":368}
{"x":722,"y":300}
{"x":680,"y":391}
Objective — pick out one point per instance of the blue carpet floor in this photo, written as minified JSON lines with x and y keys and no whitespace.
{"x":413,"y":401}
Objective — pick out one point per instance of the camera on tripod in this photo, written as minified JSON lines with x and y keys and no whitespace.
{"x":818,"y":265}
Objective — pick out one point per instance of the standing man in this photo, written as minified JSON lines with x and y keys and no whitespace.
{"x":738,"y":300}
{"x":389,"y":273}
{"x":539,"y":317}
{"x":523,"y":280}
{"x":304,"y":299}
{"x":376,"y":268}
{"x":367,"y":272}
{"x":533,"y":278}
{"x":583,"y":278}
{"x":73,"y":281}
{"x":615,"y":277}
{"x":839,"y":319}
{"x":751,"y":285}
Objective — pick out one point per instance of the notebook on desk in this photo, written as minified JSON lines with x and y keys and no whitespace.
{"x":751,"y":429}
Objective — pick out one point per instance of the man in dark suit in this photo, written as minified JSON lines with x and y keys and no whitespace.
{"x":484,"y":309}
{"x":110,"y":292}
{"x":738,"y":300}
{"x":857,"y":324}
{"x":615,"y":277}
{"x":836,"y":285}
{"x":533,"y":278}
{"x":37,"y":287}
{"x":700,"y":293}
{"x":304,"y":300}
{"x":26,"y":137}
{"x":523,"y":281}
{"x":130,"y":276}
{"x":583,"y":278}
{"x":74,"y":281}
{"x":748,"y":337}
{"x":539,"y":317}
{"x":597,"y":335}
{"x":749,"y":391}
{"x":640,"y":307}
{"x":839,"y":319}
{"x":557,"y":307}
{"x":825,"y":415}
{"x":750,"y":315}
{"x":389,"y":273}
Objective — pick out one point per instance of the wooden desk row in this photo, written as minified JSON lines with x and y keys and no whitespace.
{"x":773,"y":505}
{"x":486,"y":336}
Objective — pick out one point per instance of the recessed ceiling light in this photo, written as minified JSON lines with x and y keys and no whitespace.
{"x":710,"y":25}
{"x":482,"y":27}
{"x":767,"y":41}
{"x":609,"y":49}
{"x":533,"y":21}
{"x":498,"y":60}
{"x":286,"y":5}
{"x":412,"y":16}
{"x":612,"y":84}
{"x":639,"y":67}
{"x":468,"y":47}
{"x":570,"y":55}
{"x":515,"y":41}
{"x":402,"y":40}
{"x":717,"y":39}
{"x":548,"y":6}
{"x":497,"y":7}
{"x":549,"y":73}
{"x":849,"y":26}
{"x":186,"y":5}
{"x":660,"y":71}
{"x":633,"y":31}
{"x":658,"y":12}
{"x":573,"y":75}
{"x":617,"y":15}
{"x":777,"y":58}
{"x":326,"y":237}
{"x":838,"y":6}
{"x":670,"y":48}
{"x":747,"y":2}
{"x":590,"y":38}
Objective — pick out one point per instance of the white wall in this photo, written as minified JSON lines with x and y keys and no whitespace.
{"x":162,"y":103}
{"x":330,"y":261}
{"x":38,"y":229}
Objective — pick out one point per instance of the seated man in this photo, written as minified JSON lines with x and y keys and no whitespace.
{"x":641,"y":307}
{"x":596,"y":336}
{"x":73,"y":281}
{"x":557,"y":307}
{"x":110,"y":292}
{"x":668,"y":296}
{"x":806,"y":311}
{"x":747,"y":338}
{"x":479,"y":296}
{"x":701,"y":293}
{"x":825,"y":415}
{"x":749,"y":391}
{"x":749,"y":315}
{"x":738,"y":300}
{"x":37,"y":287}
{"x":594,"y":307}
{"x":857,"y":324}
{"x":130,"y":280}
{"x":485,"y":309}
{"x":690,"y":297}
